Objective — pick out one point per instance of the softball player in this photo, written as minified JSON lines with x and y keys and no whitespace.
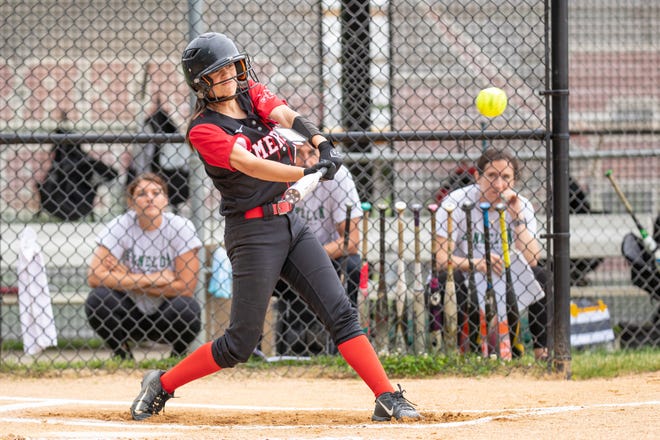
{"x":232,"y":130}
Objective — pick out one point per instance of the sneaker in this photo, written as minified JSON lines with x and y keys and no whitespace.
{"x":152,"y":397}
{"x":390,"y":405}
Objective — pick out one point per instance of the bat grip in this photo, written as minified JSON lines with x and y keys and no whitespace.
{"x":321,"y":171}
{"x":650,"y":245}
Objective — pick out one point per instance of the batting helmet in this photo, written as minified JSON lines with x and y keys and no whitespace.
{"x":206,"y":54}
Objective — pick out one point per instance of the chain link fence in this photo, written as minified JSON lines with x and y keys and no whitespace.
{"x":93,"y":96}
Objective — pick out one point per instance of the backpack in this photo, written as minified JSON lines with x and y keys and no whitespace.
{"x":462,"y":176}
{"x":70,"y":186}
{"x":220,"y":284}
{"x":168,"y":160}
{"x":643,"y":271}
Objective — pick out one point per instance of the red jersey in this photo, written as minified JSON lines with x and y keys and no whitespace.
{"x":213,"y":136}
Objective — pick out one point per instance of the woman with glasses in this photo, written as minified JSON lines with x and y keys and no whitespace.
{"x":497,"y":173}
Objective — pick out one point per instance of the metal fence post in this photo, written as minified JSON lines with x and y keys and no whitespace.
{"x":198,"y":208}
{"x":560,"y":167}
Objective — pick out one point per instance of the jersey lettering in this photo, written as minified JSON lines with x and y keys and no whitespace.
{"x":310,"y":215}
{"x":266,"y":95}
{"x":146,"y":263}
{"x":271,"y":144}
{"x":268,"y":146}
{"x":258,"y":150}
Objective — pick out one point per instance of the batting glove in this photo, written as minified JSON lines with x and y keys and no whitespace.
{"x":330,"y":169}
{"x":327,"y":152}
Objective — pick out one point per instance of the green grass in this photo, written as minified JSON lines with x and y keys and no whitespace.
{"x":592,"y":364}
{"x":62,"y":344}
{"x":584,"y":365}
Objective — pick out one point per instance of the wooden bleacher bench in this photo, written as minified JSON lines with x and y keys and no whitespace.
{"x":600,"y":236}
{"x":59,"y":298}
{"x":70,"y":245}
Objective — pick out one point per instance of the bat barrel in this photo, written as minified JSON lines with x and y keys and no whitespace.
{"x":609,"y":174}
{"x":381,"y":325}
{"x":490,"y":301}
{"x":474,"y":318}
{"x":450,"y":300}
{"x":366,"y":209}
{"x":510,"y":296}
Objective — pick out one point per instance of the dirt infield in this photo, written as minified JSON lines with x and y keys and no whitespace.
{"x":219,"y":406}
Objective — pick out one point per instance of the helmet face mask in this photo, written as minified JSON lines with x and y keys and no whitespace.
{"x":210,"y":52}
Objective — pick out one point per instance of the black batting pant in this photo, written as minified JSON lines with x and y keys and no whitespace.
{"x":297,"y":327}
{"x":263,"y":250}
{"x":116,"y":319}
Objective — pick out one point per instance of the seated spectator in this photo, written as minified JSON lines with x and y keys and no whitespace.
{"x":496,"y":174}
{"x":143,"y":274}
{"x":299,"y":332}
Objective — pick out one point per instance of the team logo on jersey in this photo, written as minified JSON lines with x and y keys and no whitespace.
{"x":266,"y":95}
{"x":270,"y":145}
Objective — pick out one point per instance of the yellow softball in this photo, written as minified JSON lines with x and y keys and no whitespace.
{"x":491,"y":102}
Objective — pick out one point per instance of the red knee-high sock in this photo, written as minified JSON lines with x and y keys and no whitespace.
{"x":360,"y":355}
{"x":197,"y":364}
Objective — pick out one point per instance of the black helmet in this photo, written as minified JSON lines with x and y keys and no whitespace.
{"x":206,"y":54}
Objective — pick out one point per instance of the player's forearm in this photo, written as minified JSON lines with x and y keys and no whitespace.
{"x":178,"y":287}
{"x":463,"y":263}
{"x":128,"y":282}
{"x":441,"y":256}
{"x":270,"y":171}
{"x":335,"y":249}
{"x":263,"y":169}
{"x":527,"y":244}
{"x":460,"y":263}
{"x":100,"y":275}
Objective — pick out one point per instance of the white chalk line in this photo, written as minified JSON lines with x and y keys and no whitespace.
{"x":500,"y":414}
{"x":32,"y":402}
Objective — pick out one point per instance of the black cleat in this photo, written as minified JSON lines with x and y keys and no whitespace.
{"x":152,"y":397}
{"x":390,"y":405}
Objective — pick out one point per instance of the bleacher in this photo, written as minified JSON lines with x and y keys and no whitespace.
{"x":67,"y":247}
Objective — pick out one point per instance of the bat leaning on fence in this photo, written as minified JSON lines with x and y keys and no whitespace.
{"x":512,"y":312}
{"x":434,"y":297}
{"x":419,"y":312}
{"x":476,"y":333}
{"x":401,"y":291}
{"x":495,"y":343}
{"x":649,"y":243}
{"x":450,"y":306}
{"x":381,"y":325}
{"x":364,"y":311}
{"x":344,"y":251}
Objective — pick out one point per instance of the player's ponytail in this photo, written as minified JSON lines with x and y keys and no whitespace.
{"x":200,"y":106}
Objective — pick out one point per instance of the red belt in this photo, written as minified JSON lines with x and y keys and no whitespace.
{"x":279,"y":208}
